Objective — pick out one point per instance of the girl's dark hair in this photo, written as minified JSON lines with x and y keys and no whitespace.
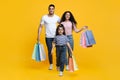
{"x":72,"y":19}
{"x":60,"y":26}
{"x":51,"y":5}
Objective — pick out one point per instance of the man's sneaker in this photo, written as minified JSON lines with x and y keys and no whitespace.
{"x":67,"y":67}
{"x":60,"y":73}
{"x":51,"y":67}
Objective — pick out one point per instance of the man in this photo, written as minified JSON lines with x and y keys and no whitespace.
{"x":49,"y":21}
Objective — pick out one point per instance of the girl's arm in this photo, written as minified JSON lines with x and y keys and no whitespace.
{"x":69,"y":48}
{"x":53,"y":46}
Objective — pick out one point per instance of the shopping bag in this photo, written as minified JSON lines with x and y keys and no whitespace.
{"x":34,"y":52}
{"x":71,"y":67}
{"x":42,"y":52}
{"x":37,"y":53}
{"x":74,"y":63}
{"x":83,"y":40}
{"x":89,"y":38}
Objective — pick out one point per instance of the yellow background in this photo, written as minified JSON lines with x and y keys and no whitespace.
{"x":19,"y":20}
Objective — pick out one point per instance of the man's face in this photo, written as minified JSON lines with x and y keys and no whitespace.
{"x":51,"y":10}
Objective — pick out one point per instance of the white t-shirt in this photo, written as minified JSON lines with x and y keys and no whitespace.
{"x":50,"y":25}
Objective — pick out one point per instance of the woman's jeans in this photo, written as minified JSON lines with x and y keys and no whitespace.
{"x":61,"y":56}
{"x":71,"y":42}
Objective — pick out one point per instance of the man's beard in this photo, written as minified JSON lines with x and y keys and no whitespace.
{"x":51,"y":13}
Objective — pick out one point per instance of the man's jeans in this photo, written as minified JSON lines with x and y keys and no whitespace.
{"x":49,"y":47}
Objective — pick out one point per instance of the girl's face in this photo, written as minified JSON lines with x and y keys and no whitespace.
{"x":60,"y":30}
{"x":67,"y":16}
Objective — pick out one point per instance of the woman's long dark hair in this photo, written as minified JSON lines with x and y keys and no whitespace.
{"x":72,"y":19}
{"x":60,"y":26}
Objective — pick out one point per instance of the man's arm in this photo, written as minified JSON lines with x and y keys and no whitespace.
{"x":39,"y":31}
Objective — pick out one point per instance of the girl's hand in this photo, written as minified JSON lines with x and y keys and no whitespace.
{"x":70,"y":54}
{"x":51,"y":52}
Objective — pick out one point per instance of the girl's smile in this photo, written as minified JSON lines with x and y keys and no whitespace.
{"x":60,"y":30}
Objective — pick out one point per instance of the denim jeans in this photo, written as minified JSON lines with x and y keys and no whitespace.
{"x":71,"y":42}
{"x":61,"y":56}
{"x":49,"y":47}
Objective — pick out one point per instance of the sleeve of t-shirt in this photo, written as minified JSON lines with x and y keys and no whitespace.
{"x":42,"y":20}
{"x":58,"y":19}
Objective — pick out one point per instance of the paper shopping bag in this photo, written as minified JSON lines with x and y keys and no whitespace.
{"x":34,"y":52}
{"x":42,"y":52}
{"x":89,"y":38}
{"x":74,"y":63}
{"x":84,"y":41}
{"x":38,"y":53}
{"x":71,"y":67}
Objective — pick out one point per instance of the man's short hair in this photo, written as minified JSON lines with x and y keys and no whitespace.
{"x":51,"y":5}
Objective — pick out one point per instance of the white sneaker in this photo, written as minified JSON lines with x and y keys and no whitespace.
{"x":51,"y":67}
{"x":60,"y":73}
{"x":67,"y":67}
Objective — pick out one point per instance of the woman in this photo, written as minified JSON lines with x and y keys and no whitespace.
{"x":69,"y":23}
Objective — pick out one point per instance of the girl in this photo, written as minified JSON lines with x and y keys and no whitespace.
{"x":69,"y":23}
{"x":61,"y":42}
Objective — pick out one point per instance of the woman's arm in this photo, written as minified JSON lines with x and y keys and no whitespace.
{"x":79,"y":30}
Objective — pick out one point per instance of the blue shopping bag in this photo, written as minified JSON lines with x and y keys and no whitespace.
{"x":37,"y":52}
{"x":89,"y":38}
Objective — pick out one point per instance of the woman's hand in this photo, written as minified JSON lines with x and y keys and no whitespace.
{"x":85,"y":27}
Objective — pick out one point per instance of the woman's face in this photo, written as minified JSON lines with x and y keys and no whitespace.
{"x":67,"y":16}
{"x":60,"y":30}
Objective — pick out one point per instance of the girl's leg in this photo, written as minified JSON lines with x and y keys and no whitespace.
{"x":58,"y":56}
{"x":62,"y":58}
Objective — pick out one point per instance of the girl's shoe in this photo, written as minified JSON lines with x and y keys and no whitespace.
{"x":60,"y":73}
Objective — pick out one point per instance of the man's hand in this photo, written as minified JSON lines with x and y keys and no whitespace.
{"x":38,"y":39}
